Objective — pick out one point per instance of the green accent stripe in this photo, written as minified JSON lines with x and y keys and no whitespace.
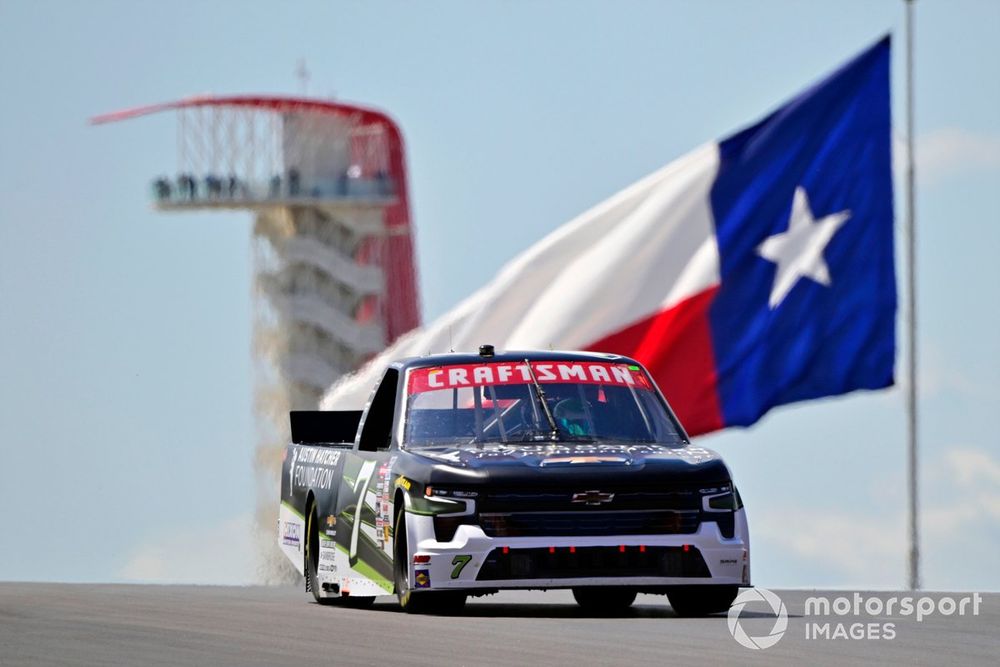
{"x":368,"y":571}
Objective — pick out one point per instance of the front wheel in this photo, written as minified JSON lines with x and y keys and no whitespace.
{"x":604,"y":599}
{"x":417,"y":601}
{"x":702,"y":600}
{"x":312,"y":565}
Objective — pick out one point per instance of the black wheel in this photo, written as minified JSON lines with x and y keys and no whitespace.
{"x":312,"y":565}
{"x":702,"y":600}
{"x":417,"y":601}
{"x":604,"y":599}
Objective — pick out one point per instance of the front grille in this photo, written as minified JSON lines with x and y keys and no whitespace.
{"x":589,"y":523}
{"x":564,"y":563}
{"x":561,"y":500}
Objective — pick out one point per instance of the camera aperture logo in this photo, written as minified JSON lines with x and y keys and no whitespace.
{"x":777,"y":607}
{"x":851,"y":616}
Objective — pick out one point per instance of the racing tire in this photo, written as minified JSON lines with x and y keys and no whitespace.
{"x":417,"y":601}
{"x":604,"y":599}
{"x":702,"y":600}
{"x":312,"y":564}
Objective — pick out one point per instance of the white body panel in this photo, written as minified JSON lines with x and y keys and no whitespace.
{"x":728,"y":559}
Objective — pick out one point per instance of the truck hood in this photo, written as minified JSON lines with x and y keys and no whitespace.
{"x":518,"y":464}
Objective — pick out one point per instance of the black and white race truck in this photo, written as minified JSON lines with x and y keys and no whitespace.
{"x":467,"y":474}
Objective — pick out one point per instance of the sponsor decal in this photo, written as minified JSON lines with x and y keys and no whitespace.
{"x":327,"y":555}
{"x":593,"y":497}
{"x":313,"y":467}
{"x":382,"y":504}
{"x":320,"y":456}
{"x":477,"y":375}
{"x":331,"y":521}
{"x":313,"y":477}
{"x":290,"y":534}
{"x":422,"y":579}
{"x":728,"y":561}
{"x":403,"y":482}
{"x":328,"y":567}
{"x":327,"y":544}
{"x":332,"y":532}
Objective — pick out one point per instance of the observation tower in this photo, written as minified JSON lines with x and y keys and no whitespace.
{"x":334,"y":279}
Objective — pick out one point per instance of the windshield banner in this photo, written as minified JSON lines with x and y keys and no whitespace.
{"x":547,"y":372}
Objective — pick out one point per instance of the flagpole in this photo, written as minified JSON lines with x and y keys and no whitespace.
{"x":911,"y":320}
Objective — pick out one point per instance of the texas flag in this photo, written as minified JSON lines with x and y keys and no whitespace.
{"x":750,"y":273}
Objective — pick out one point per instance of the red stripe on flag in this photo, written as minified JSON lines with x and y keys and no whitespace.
{"x":676,"y":346}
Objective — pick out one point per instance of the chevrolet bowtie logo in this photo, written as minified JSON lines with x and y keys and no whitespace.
{"x":593,"y":497}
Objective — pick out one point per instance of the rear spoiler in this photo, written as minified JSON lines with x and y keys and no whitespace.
{"x":326,"y":427}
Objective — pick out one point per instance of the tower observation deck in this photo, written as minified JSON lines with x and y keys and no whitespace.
{"x":334,"y":279}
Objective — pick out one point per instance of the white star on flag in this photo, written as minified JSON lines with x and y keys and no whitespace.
{"x":799,"y":251}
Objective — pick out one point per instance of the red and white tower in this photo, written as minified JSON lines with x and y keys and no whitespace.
{"x":334,"y":276}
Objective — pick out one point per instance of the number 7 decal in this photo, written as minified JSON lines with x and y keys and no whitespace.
{"x":360,"y":486}
{"x":459,"y":562}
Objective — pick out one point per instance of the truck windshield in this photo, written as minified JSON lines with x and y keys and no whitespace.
{"x":499,"y":403}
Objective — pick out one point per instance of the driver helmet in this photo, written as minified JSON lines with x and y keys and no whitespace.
{"x":571,"y":415}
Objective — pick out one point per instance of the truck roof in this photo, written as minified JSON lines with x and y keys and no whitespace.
{"x":462,"y":358}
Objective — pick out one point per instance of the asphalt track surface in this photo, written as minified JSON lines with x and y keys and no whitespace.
{"x":72,"y":624}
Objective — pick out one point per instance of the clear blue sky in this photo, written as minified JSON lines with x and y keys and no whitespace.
{"x":126,"y":428}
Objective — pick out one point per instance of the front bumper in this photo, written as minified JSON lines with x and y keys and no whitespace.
{"x":474,"y":560}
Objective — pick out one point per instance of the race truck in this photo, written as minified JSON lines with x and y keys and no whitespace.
{"x":468,"y":474}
